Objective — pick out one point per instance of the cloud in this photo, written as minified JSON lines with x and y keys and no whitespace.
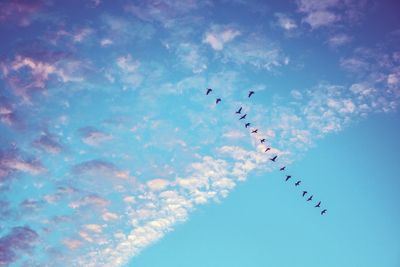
{"x":11,"y":162}
{"x":218,"y":36}
{"x":327,"y":13}
{"x":157,"y":184}
{"x":318,"y":19}
{"x":285,"y":22}
{"x":256,"y":51}
{"x":25,"y":75}
{"x":48,"y":143}
{"x":339,"y":40}
{"x":17,"y":242}
{"x":93,"y":136}
{"x":191,"y":57}
{"x":19,"y":12}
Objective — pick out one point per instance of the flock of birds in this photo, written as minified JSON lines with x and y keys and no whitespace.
{"x":262,"y":141}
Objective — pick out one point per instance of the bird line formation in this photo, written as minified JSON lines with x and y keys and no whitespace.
{"x":247,"y":125}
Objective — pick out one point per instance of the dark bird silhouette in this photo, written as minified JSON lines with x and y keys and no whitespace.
{"x":267,"y":149}
{"x":218,"y":100}
{"x":239,"y":111}
{"x":247,"y":124}
{"x":251,"y":93}
{"x":254,"y":131}
{"x":298,"y":183}
{"x":310,"y":198}
{"x":209,"y":90}
{"x":304,"y":193}
{"x":262,"y":140}
{"x":318,"y":205}
{"x":273,"y":159}
{"x":283,"y":168}
{"x":323,"y":212}
{"x":288,"y":177}
{"x":243,"y":117}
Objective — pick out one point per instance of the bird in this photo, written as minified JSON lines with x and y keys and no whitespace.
{"x":247,"y":124}
{"x":262,"y":140}
{"x":323,"y":212}
{"x":310,"y":198}
{"x":273,"y":159}
{"x":318,"y":205}
{"x":251,"y":93}
{"x":288,"y":177}
{"x":218,"y":100}
{"x":254,"y":131}
{"x":267,"y":149}
{"x":283,"y":168}
{"x":304,"y":193}
{"x":243,"y":117}
{"x":298,"y":183}
{"x":209,"y":90}
{"x":239,"y":111}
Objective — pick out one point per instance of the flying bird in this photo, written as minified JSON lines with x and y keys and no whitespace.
{"x":323,"y":212}
{"x":209,"y":90}
{"x":298,"y":183}
{"x":318,"y":205}
{"x":218,"y":100}
{"x":254,"y":131}
{"x":262,"y":140}
{"x":251,"y":93}
{"x":288,"y":177}
{"x":247,"y":124}
{"x":268,"y":148}
{"x":239,"y":111}
{"x":243,"y":117}
{"x":304,"y":193}
{"x":310,"y":198}
{"x":273,"y":159}
{"x":283,"y":168}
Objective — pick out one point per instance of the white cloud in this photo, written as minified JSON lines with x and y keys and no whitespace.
{"x":285,"y":22}
{"x":339,"y":40}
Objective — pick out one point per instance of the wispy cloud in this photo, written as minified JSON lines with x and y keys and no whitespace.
{"x":93,"y":136}
{"x":217,"y":36}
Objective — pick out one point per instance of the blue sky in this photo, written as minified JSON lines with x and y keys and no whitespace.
{"x":111,"y":154}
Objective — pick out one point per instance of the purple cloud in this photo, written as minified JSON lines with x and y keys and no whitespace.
{"x":48,"y":143}
{"x":19,"y":240}
{"x":19,"y":11}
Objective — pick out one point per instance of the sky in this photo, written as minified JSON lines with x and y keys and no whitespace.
{"x":112,"y":154}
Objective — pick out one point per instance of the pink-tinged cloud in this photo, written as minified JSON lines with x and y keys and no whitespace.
{"x":48,"y":143}
{"x":10,"y":162}
{"x":218,"y":37}
{"x":19,"y":12}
